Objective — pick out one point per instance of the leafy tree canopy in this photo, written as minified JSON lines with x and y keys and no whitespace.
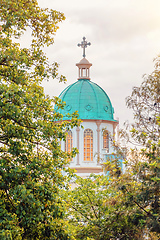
{"x":145,"y":103}
{"x":143,"y":166}
{"x":98,"y":211}
{"x":32,"y":164}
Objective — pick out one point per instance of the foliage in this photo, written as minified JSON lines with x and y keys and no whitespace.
{"x":32,"y":164}
{"x":143,"y":165}
{"x":97,"y":211}
{"x":145,"y":103}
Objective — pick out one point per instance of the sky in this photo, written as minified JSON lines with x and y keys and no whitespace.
{"x":124,"y":36}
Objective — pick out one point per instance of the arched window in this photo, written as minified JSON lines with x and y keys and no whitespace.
{"x":88,"y":145}
{"x":69,"y":142}
{"x":106,"y":140}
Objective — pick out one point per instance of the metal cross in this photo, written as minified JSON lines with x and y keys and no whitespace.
{"x":84,"y":45}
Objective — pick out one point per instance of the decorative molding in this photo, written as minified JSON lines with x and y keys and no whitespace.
{"x":115,"y":123}
{"x":68,"y":107}
{"x":105,"y":108}
{"x":88,"y":107}
{"x":88,"y":169}
{"x":98,"y":123}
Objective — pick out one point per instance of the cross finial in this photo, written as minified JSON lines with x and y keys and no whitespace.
{"x":84,"y":45}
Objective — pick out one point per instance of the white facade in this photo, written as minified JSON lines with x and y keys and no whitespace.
{"x":85,"y":168}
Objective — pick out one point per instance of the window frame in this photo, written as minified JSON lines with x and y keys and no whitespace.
{"x":88,"y":145}
{"x":106,"y":140}
{"x":69,"y":142}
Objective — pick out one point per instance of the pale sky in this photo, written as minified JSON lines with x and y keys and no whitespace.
{"x":124,"y":36}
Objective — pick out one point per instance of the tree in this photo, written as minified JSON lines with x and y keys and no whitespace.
{"x":98,"y":211}
{"x":145,"y":103}
{"x":144,"y":162}
{"x":32,"y":164}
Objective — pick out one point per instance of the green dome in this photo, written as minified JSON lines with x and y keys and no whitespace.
{"x":89,"y":99}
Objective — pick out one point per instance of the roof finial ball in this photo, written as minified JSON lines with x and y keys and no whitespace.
{"x":84,"y":45}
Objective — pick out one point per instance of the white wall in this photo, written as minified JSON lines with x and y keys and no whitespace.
{"x":93,"y":126}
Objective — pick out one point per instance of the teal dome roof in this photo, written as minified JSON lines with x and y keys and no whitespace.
{"x":89,"y":99}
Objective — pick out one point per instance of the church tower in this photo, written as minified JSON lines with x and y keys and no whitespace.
{"x":96,"y":112}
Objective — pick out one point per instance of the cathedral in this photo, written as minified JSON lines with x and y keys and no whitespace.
{"x":97,"y":114}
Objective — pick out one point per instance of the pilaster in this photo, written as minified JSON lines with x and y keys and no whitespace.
{"x":77,"y":130}
{"x":98,"y":123}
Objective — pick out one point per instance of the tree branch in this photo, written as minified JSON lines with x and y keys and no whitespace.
{"x":92,"y":205}
{"x":8,"y":197}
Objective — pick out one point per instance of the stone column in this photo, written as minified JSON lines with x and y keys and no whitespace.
{"x":98,"y":141}
{"x":77,"y":130}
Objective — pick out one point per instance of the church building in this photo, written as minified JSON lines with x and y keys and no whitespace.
{"x":97,"y":114}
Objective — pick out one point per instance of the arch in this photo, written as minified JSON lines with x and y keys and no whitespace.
{"x":106,"y":140}
{"x":69,"y":142}
{"x":88,"y":145}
